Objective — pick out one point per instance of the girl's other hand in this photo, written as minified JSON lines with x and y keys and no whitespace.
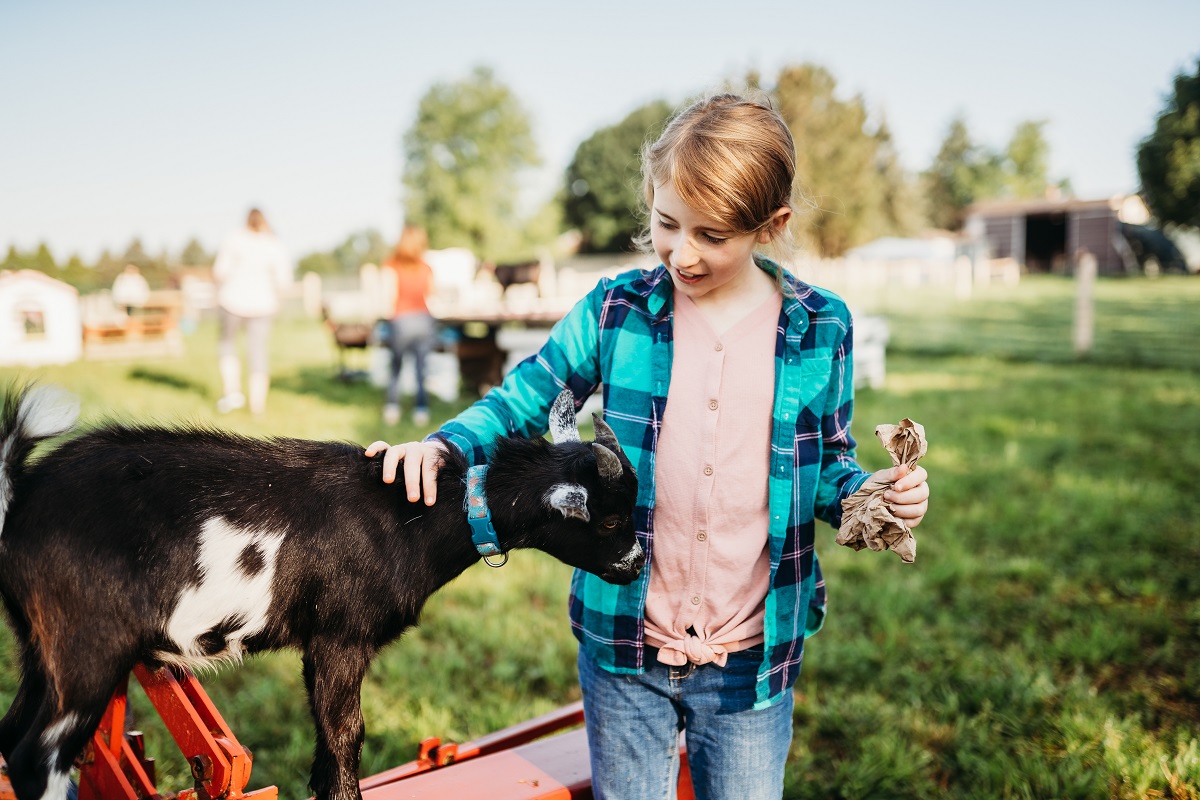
{"x":421,"y":463}
{"x":908,"y":495}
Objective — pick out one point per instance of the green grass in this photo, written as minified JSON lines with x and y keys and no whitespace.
{"x":1138,"y":322}
{"x":1046,"y":643}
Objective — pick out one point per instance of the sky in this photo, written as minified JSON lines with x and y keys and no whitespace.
{"x":168,"y":121}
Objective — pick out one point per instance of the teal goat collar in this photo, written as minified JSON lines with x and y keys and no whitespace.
{"x":479,"y":517}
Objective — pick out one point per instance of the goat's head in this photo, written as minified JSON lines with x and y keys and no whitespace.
{"x":588,"y":490}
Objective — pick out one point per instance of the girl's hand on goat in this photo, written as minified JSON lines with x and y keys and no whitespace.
{"x":421,"y":463}
{"x":909,"y":495}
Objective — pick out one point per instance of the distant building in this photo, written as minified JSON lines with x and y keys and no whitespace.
{"x":39,"y":320}
{"x":1045,"y":235}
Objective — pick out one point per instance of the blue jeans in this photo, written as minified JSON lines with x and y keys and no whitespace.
{"x":412,"y":334}
{"x":633,"y":722}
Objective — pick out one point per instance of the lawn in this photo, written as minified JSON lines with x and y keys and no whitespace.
{"x":1046,"y":643}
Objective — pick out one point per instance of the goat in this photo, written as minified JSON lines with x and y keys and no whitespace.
{"x":194,"y":546}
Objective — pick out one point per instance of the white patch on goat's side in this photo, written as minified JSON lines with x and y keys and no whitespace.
{"x":570,"y":499}
{"x":225,"y":592}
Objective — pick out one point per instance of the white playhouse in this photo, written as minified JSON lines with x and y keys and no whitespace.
{"x":40,"y":320}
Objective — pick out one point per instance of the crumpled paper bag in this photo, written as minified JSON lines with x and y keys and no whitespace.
{"x":866,"y":519}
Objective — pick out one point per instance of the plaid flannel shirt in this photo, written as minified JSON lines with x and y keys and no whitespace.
{"x":620,"y":336}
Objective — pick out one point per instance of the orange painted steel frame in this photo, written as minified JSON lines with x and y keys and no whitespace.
{"x":523,"y":762}
{"x":534,"y":760}
{"x":114,"y":766}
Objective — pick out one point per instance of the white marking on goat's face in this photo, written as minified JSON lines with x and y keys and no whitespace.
{"x":236,"y":568}
{"x":570,"y":499}
{"x":629,"y":559}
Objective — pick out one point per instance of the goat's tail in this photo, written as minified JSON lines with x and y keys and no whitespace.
{"x":27,"y":417}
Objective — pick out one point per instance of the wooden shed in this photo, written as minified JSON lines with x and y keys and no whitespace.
{"x":39,"y":320}
{"x":1045,"y":235}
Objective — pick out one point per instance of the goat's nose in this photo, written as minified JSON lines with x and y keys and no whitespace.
{"x":638,"y":559}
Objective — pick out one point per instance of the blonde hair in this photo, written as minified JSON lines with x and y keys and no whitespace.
{"x":729,"y":157}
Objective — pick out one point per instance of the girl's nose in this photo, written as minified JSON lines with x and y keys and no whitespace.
{"x":686,"y":253}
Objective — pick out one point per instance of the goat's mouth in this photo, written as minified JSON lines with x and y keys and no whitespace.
{"x":626,"y":571}
{"x":620,"y":577}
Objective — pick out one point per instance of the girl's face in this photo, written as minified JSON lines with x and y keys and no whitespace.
{"x":705,"y":259}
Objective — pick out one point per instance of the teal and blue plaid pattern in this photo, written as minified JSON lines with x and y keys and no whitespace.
{"x":620,"y":336}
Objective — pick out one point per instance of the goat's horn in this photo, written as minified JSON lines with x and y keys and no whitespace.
{"x":604,"y":434}
{"x":607,"y":462}
{"x":563,"y":427}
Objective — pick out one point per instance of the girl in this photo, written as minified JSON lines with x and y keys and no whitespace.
{"x":728,"y":383}
{"x":413,"y":330}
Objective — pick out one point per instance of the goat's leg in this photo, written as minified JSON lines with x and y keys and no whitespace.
{"x":25,"y":705}
{"x":42,"y":759}
{"x":333,"y":675}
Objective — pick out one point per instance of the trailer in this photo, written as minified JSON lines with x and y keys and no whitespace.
{"x":545,"y":758}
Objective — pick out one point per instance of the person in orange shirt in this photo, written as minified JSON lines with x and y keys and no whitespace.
{"x":413,"y":330}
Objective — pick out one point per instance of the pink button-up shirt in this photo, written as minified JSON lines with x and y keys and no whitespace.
{"x":711,"y":566}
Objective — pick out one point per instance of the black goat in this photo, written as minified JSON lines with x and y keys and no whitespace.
{"x":146,"y":544}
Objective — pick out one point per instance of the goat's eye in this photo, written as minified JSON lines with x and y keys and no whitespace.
{"x":611,"y":523}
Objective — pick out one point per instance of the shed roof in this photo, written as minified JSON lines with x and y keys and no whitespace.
{"x":32,"y":275}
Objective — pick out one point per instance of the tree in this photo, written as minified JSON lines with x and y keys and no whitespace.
{"x":962,"y":173}
{"x":1027,"y":162}
{"x":194,"y":255}
{"x":843,"y":162}
{"x":463,"y":156}
{"x":603,"y":191}
{"x":1168,"y":160}
{"x":362,"y":247}
{"x":901,"y":203}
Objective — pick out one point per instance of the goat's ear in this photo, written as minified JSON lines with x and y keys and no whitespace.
{"x":607,"y":463}
{"x":604,"y":434}
{"x":563,"y":427}
{"x":569,"y":499}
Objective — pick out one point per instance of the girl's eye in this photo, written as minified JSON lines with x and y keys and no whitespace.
{"x":714,"y":239}
{"x":662,"y":223}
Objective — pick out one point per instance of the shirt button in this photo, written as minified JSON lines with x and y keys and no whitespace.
{"x":712,"y":404}
{"x":719,"y":347}
{"x":702,"y":536}
{"x":708,"y":470}
{"x":695,"y":601}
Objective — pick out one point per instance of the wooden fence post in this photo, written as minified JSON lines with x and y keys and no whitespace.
{"x":1085,"y":282}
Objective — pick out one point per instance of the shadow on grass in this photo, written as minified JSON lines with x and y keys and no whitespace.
{"x":169,"y":379}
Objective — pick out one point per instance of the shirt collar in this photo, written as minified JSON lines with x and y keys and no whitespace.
{"x":655,"y":288}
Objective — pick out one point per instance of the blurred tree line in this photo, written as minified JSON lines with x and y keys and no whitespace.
{"x":469,"y":154}
{"x":161,"y":270}
{"x":472,"y":141}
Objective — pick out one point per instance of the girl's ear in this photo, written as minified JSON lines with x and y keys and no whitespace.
{"x":775,"y":225}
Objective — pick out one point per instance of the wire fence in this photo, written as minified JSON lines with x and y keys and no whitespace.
{"x":1137,"y":322}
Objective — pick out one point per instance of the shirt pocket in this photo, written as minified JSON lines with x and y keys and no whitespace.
{"x":815,"y":380}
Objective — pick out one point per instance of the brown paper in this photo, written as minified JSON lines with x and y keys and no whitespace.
{"x":867,"y":522}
